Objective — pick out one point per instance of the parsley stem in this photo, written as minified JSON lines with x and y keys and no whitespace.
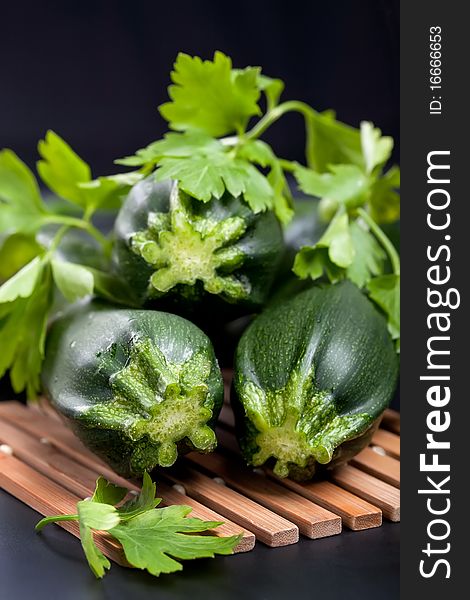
{"x":383,"y":239}
{"x":276,"y":113}
{"x":43,"y":522}
{"x":58,"y":238}
{"x":287,"y":165}
{"x":85,"y":226}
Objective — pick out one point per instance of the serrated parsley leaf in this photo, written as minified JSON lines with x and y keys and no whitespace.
{"x":369,"y":257}
{"x":101,"y":517}
{"x":282,"y":199}
{"x":209,"y":96}
{"x":197,"y":177}
{"x":385,"y":292}
{"x":333,"y":252}
{"x":384,"y":198}
{"x":313,"y":262}
{"x":21,"y":206}
{"x":74,"y":281}
{"x":257,"y":151}
{"x":62,"y":169}
{"x":108,"y":493}
{"x":376,"y":148}
{"x":68,"y":176}
{"x":146,"y":500}
{"x":108,"y":192}
{"x":332,"y":142}
{"x":22,"y":284}
{"x":97,"y":515}
{"x":206,"y":176}
{"x":346,"y":184}
{"x":173,"y":145}
{"x":16,"y":251}
{"x":152,"y":538}
{"x":97,"y":561}
{"x":272,"y":88}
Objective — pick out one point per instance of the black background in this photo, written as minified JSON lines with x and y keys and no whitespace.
{"x":95,"y":71}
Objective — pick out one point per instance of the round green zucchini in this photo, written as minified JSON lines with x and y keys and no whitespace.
{"x":169,"y":244}
{"x":137,"y":386}
{"x":313,"y":375}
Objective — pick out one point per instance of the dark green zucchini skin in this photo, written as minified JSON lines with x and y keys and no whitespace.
{"x":169,"y":246}
{"x":77,"y":247}
{"x":313,"y":375}
{"x":137,"y":386}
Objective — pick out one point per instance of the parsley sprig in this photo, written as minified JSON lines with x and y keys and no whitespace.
{"x":152,"y":538}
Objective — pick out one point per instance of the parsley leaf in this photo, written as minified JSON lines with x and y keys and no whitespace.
{"x":384,"y":199}
{"x":21,"y":206}
{"x":346,"y":184}
{"x":376,"y":149}
{"x":313,"y":262}
{"x":282,"y":200}
{"x":108,"y":493}
{"x":385,"y":292}
{"x":369,"y":257}
{"x":272,"y":88}
{"x":143,"y":502}
{"x":334,"y":249}
{"x":93,"y":514}
{"x":74,"y":281}
{"x":22,"y":284}
{"x":16,"y":251}
{"x":204,"y":168}
{"x":62,"y":169}
{"x":97,"y":515}
{"x":174,"y":145}
{"x":346,"y":249}
{"x":151,"y":538}
{"x":211,"y":97}
{"x":97,"y":561}
{"x":204,"y":177}
{"x":332,"y":142}
{"x":68,"y":176}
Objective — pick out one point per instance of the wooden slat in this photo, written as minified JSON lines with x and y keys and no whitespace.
{"x":312,"y":520}
{"x":48,"y":498}
{"x":45,"y":459}
{"x":387,"y":440}
{"x":41,"y":426}
{"x":171,"y":496}
{"x":383,"y":467}
{"x":391,"y":420}
{"x":357,"y":514}
{"x":87,"y":467}
{"x":269,"y":528}
{"x":44,"y":407}
{"x":379,"y":493}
